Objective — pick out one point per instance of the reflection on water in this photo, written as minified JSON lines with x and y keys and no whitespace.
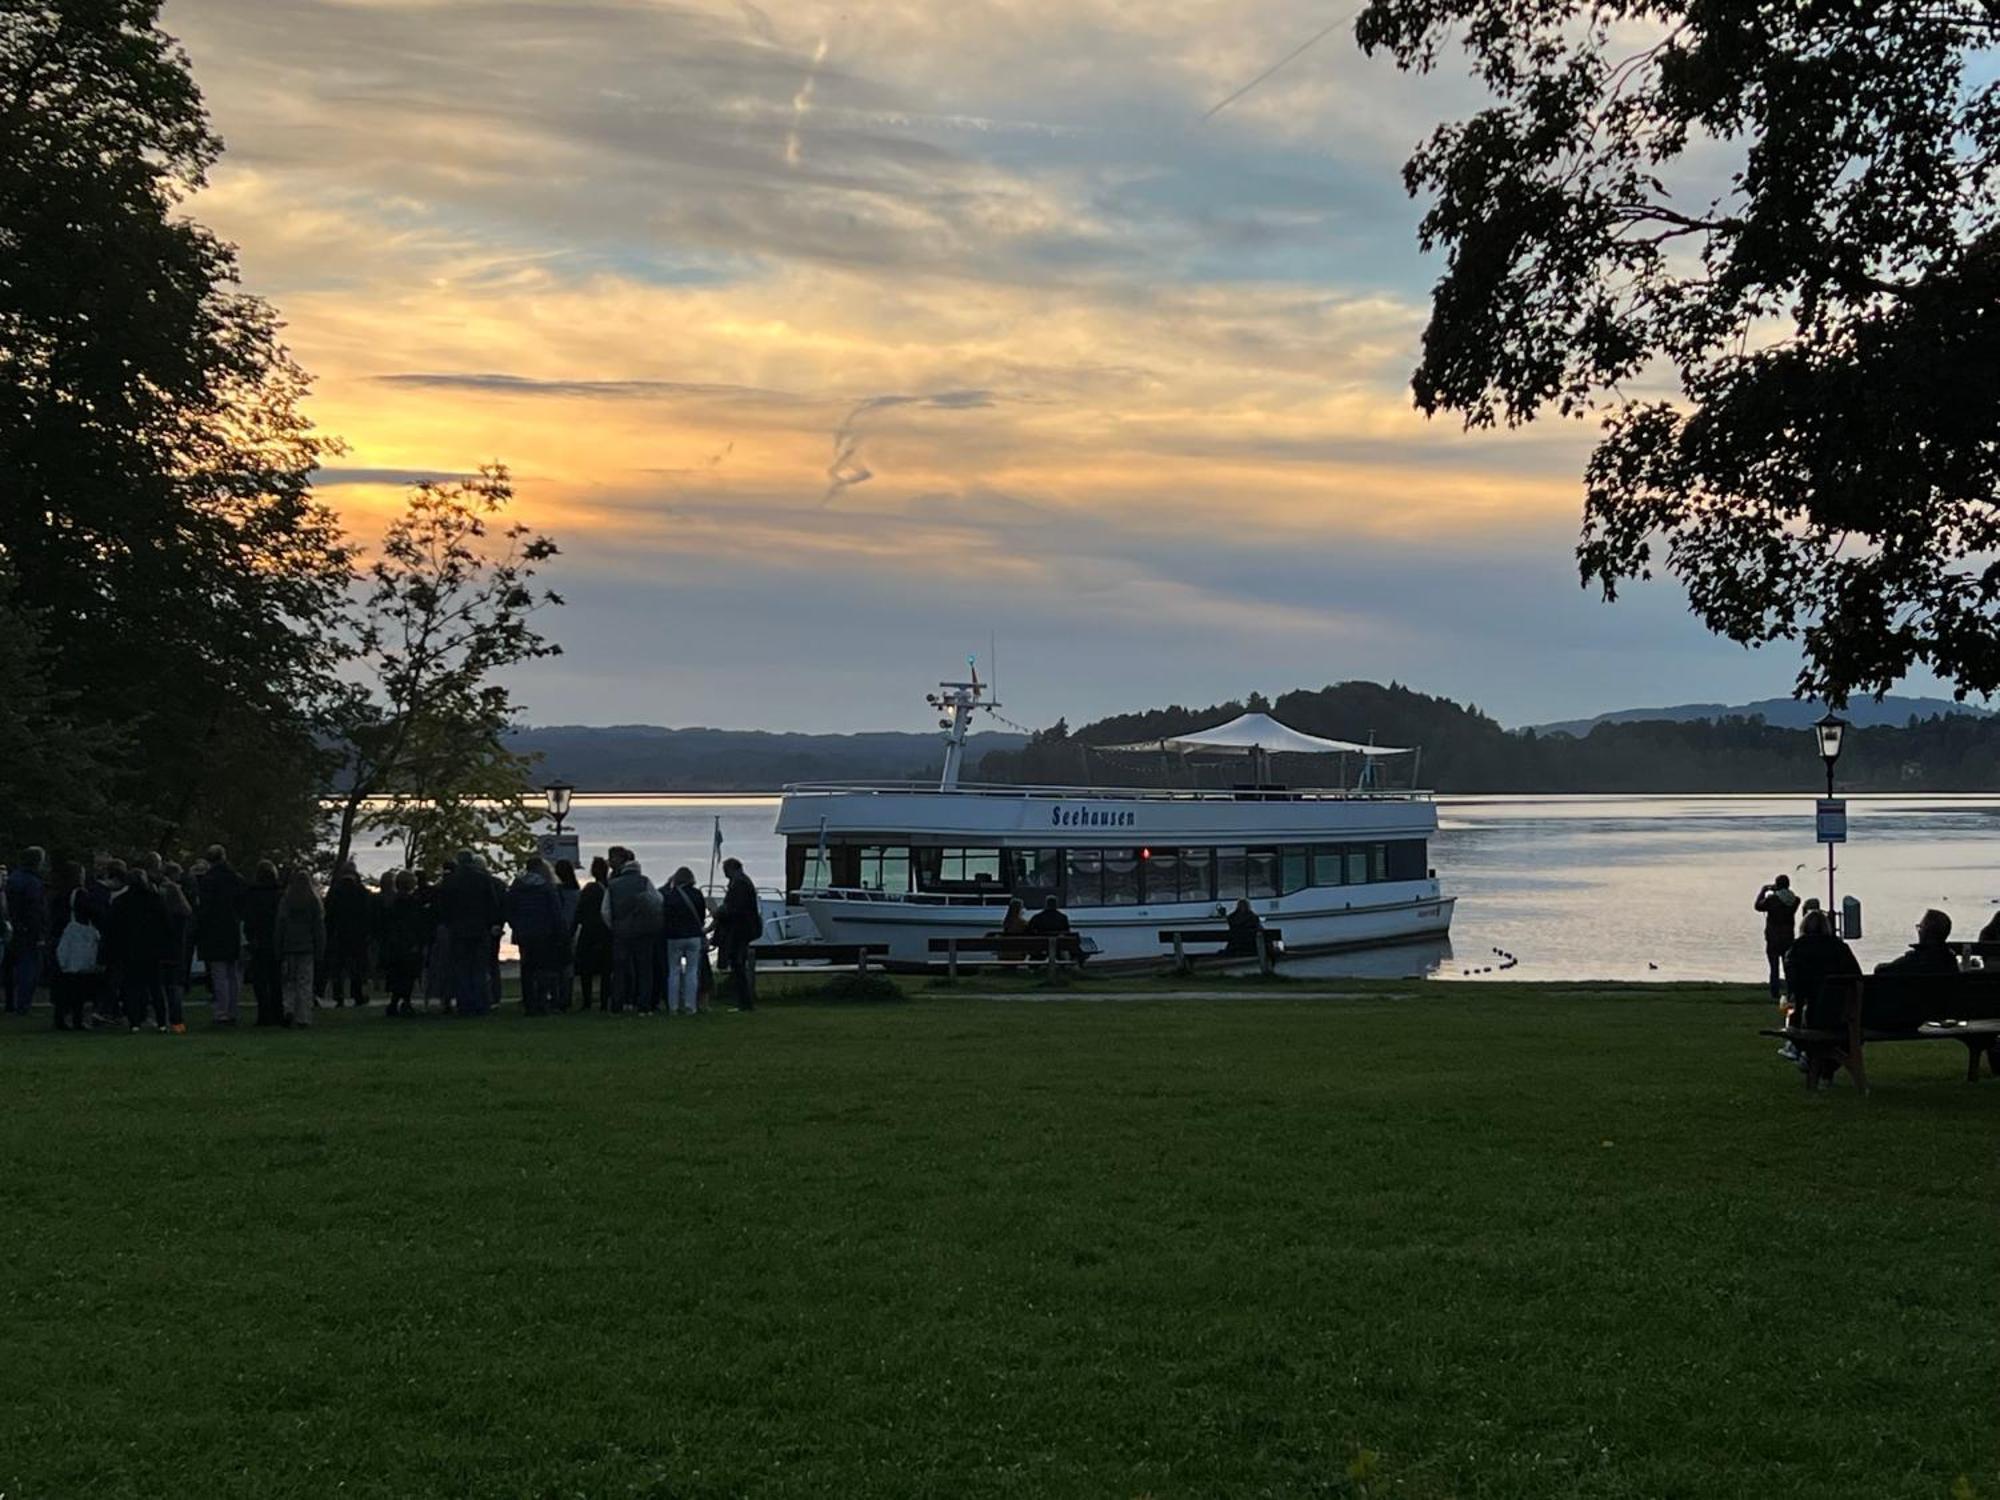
{"x":1576,"y":887}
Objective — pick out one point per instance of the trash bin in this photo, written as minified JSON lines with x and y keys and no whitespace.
{"x":1850,"y":917}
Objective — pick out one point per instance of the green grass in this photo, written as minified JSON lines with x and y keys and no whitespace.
{"x":1444,"y":1241}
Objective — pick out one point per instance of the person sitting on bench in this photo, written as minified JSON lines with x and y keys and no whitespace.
{"x":1928,"y":955}
{"x":1014,"y":924}
{"x":1053,"y":921}
{"x":1243,"y":929}
{"x":1815,"y":958}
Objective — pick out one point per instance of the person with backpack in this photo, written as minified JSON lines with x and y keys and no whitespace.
{"x":684,"y":920}
{"x":635,"y":914}
{"x":738,"y":925}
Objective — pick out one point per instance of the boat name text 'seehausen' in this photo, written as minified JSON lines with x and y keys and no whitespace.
{"x":1090,"y":817}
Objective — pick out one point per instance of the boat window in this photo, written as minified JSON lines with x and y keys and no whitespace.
{"x":1294,"y":872}
{"x":884,"y":869}
{"x":815,"y":870}
{"x":1085,"y":871}
{"x":1357,"y":864}
{"x":958,"y":869}
{"x":1034,"y":872}
{"x":1162,"y":871}
{"x":1407,"y":859}
{"x":1121,"y":877}
{"x":1260,"y":868}
{"x":1197,"y":874}
{"x":1229,"y":874}
{"x":1378,"y":862}
{"x":1327,"y":864}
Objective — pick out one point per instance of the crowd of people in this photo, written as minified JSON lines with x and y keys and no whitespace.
{"x":125,"y":943}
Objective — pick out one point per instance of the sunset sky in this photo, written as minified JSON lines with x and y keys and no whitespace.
{"x":833,"y":339}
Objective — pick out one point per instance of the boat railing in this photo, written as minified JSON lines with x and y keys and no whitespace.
{"x":1102,"y":793}
{"x":903,"y":898}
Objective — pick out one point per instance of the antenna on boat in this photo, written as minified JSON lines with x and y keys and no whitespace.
{"x":956,"y":702}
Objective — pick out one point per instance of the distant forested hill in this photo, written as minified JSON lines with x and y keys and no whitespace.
{"x":1465,"y":751}
{"x":644,"y":757}
{"x":1786,"y":713}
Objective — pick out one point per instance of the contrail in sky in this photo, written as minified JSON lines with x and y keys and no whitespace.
{"x":1312,"y":41}
{"x":847,"y":469}
{"x":801,"y":102}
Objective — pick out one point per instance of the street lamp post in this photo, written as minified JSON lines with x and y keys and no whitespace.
{"x":1829,"y":730}
{"x":559,"y":793}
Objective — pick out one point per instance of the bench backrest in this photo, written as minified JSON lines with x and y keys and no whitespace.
{"x":1903,"y":1002}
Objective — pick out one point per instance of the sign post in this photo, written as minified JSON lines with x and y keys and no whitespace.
{"x":1831,"y":820}
{"x":555,"y":846}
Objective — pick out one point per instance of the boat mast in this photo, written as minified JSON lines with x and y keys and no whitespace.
{"x":955,"y":701}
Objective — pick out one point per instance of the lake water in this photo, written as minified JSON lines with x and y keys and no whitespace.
{"x":1573,"y":887}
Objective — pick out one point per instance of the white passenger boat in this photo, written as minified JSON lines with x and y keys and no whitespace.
{"x":903,"y":863}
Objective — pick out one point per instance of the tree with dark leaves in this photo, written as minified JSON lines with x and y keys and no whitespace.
{"x":1760,"y":242}
{"x":156,"y":511}
{"x":419,"y":730}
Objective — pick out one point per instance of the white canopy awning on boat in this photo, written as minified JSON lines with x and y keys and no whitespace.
{"x":1247,"y":734}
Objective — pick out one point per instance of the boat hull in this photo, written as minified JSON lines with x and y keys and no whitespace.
{"x":1128,"y":937}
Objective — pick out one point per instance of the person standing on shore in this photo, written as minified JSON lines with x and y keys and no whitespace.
{"x":738,"y":925}
{"x":1780,"y":905}
{"x":406,"y":928}
{"x":633,"y":911}
{"x":590,"y":937}
{"x":469,"y":910}
{"x":136,"y":938}
{"x":568,"y":894}
{"x":535,"y":913}
{"x":218,"y":935}
{"x":684,"y":919}
{"x":301,"y":944}
{"x":175,"y":965}
{"x":27,"y":910}
{"x":349,"y":912}
{"x":263,"y":964}
{"x":75,"y":972}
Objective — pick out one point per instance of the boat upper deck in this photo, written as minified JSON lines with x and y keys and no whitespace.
{"x":1101,"y":793}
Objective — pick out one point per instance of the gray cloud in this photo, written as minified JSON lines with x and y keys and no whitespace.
{"x":606,"y":390}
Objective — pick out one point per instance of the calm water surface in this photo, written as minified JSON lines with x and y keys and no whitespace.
{"x":1574,"y":887}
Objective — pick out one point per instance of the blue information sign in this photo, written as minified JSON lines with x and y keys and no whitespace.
{"x":1832,"y":820}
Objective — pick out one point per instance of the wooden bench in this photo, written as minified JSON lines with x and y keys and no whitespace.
{"x":1055,"y":951}
{"x":856,"y":956}
{"x":1834,"y":1029}
{"x":1269,"y":941}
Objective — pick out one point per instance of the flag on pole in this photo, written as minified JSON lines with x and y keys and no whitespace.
{"x":718,"y":835}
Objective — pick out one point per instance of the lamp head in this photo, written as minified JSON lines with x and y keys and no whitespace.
{"x":558,"y":793}
{"x":1829,"y":729}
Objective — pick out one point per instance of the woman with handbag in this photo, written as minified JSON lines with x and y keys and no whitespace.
{"x":78,"y":972}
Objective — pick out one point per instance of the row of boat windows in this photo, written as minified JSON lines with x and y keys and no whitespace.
{"x":1108,"y":876}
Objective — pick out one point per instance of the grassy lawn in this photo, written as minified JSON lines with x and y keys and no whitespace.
{"x":1445,"y":1241}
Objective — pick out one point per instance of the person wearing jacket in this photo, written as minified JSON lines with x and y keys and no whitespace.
{"x":632,"y":910}
{"x":27,"y":908}
{"x":1780,"y":905}
{"x":738,"y":925}
{"x":683,"y":923}
{"x":138,"y":944}
{"x":218,"y":935}
{"x":175,"y":966}
{"x":262,"y":961}
{"x":1928,"y":955}
{"x":349,"y":916}
{"x":469,"y":910}
{"x":568,"y":894}
{"x":301,"y":944}
{"x":407,"y":927}
{"x":1815,"y":958}
{"x":71,"y":993}
{"x":534,"y":911}
{"x":591,"y":936}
